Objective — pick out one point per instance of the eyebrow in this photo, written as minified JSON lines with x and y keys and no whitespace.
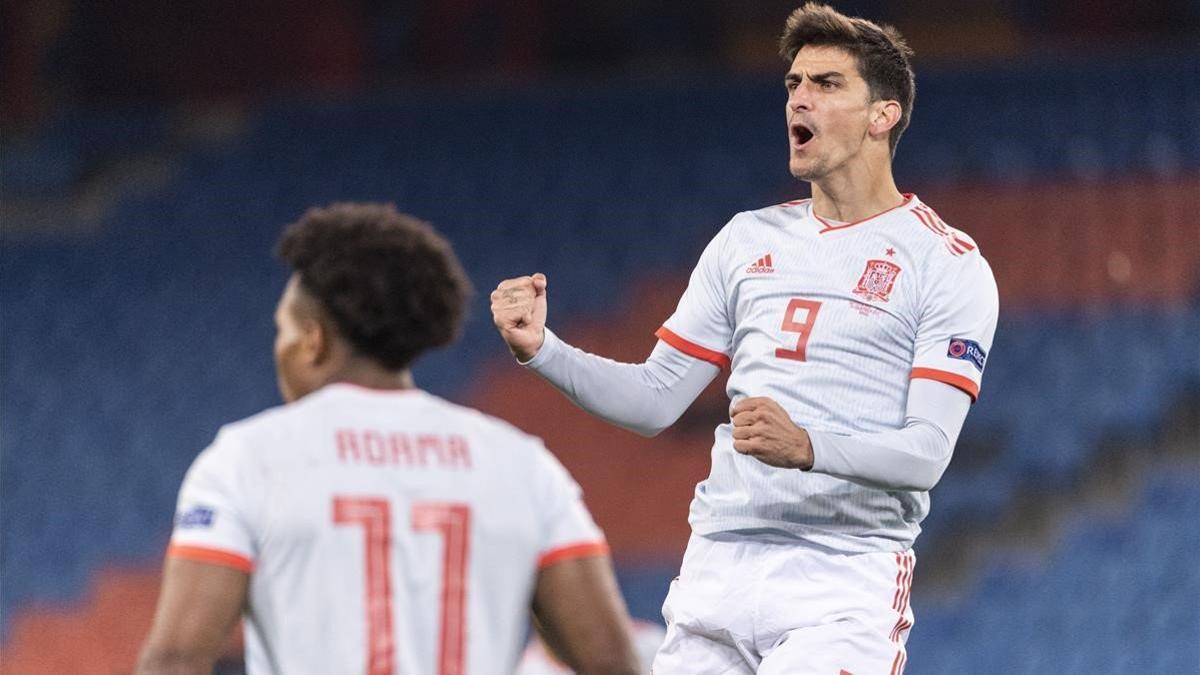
{"x":825,"y":77}
{"x":818,"y":77}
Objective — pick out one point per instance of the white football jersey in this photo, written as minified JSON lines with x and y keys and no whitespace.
{"x":385,"y":532}
{"x":832,"y":321}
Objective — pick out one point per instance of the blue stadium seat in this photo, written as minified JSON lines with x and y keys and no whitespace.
{"x":1113,"y":597}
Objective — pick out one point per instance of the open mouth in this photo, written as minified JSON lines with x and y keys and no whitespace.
{"x":801,"y":135}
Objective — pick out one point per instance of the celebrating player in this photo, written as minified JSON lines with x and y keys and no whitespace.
{"x":856,"y":325}
{"x":367,"y":526}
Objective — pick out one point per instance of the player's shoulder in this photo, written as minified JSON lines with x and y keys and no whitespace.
{"x":748,"y":223}
{"x":334,"y":401}
{"x":499,"y":440}
{"x":775,"y":215}
{"x":952,"y":261}
{"x":265,"y":422}
{"x":239,"y":442}
{"x":942,"y":242}
{"x":477,"y":422}
{"x":264,"y":430}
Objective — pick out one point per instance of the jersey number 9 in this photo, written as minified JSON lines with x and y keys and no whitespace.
{"x":799,"y":318}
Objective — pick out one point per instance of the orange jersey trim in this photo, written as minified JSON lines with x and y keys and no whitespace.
{"x":691,"y":348}
{"x":572,"y":551}
{"x":952,"y":379}
{"x":213,"y":556}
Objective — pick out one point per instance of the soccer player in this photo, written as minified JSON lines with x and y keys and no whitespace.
{"x":856,"y":325}
{"x":367,"y":526}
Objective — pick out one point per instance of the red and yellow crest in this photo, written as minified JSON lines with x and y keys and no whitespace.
{"x":877,"y":280}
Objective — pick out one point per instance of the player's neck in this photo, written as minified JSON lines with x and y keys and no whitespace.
{"x":371,"y":376}
{"x":856,"y":194}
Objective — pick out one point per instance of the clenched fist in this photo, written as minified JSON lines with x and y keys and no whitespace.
{"x":519,"y":312}
{"x":763,"y":430}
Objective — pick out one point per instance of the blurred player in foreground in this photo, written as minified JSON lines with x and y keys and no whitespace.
{"x":367,"y":526}
{"x":856,"y":325}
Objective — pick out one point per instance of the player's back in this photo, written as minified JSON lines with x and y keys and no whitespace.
{"x":390,"y":531}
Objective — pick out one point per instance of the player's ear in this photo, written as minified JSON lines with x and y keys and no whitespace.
{"x":884,"y":115}
{"x":316,"y":342}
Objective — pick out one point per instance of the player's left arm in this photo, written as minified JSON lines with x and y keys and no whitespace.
{"x":910,"y":458}
{"x":197,"y":607}
{"x":956,"y":329}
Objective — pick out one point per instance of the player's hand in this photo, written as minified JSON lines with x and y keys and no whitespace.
{"x":519,"y":312}
{"x":763,"y":430}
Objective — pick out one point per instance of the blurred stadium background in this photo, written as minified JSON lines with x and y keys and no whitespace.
{"x":151,"y":153}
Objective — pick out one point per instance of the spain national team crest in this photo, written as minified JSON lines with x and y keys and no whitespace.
{"x":877,"y":280}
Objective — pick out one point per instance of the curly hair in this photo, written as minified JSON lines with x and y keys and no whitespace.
{"x":389,"y":282}
{"x":882,"y":54}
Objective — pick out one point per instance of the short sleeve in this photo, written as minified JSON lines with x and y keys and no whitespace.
{"x":701,"y":326}
{"x":957,"y":324}
{"x":567,"y":529}
{"x":213,"y":520}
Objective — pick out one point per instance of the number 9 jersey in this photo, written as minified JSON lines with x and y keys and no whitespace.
{"x":384,"y":532}
{"x":832,"y":321}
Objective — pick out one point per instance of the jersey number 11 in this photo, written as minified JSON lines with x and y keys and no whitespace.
{"x":451,"y":522}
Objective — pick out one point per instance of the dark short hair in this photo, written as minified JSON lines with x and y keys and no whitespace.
{"x":881,"y":52}
{"x":389,"y":282}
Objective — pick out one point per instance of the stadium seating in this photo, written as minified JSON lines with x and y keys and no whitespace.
{"x":1112,"y":597}
{"x":123,"y":353}
{"x":1060,"y":393}
{"x":61,"y":154}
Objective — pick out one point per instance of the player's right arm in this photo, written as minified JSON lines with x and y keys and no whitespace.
{"x":197,"y":608}
{"x":210,"y":559}
{"x":642,"y":397}
{"x":581,"y":616}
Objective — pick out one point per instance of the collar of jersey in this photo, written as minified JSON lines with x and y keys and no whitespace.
{"x":826,"y":226}
{"x":358,"y":388}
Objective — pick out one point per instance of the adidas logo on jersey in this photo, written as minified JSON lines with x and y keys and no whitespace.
{"x":761,"y":266}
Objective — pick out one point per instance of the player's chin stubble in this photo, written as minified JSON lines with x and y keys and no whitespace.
{"x":809,"y":173}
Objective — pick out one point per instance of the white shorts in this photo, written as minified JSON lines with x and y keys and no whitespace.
{"x":741,"y":605}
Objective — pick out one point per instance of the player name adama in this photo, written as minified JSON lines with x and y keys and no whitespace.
{"x":398,"y":449}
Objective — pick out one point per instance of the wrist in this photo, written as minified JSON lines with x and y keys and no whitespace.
{"x":806,"y":458}
{"x":526,"y":356}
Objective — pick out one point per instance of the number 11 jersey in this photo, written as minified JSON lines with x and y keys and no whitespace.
{"x":832,"y":321}
{"x":385,"y":532}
